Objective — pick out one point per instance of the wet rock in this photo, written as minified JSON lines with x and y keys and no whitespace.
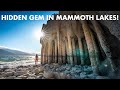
{"x":60,"y":69}
{"x":76,"y":77}
{"x":32,"y":75}
{"x":41,"y":69}
{"x":41,"y":73}
{"x":43,"y":78}
{"x":22,"y":76}
{"x":6,"y":67}
{"x":57,"y":69}
{"x":31,"y":78}
{"x":67,"y":72}
{"x":72,"y":73}
{"x":2,"y":77}
{"x":20,"y":66}
{"x":30,"y":67}
{"x":62,"y":76}
{"x":53,"y":69}
{"x":46,"y":65}
{"x":68,"y":68}
{"x":19,"y":69}
{"x":39,"y":77}
{"x":57,"y":75}
{"x":91,"y":76}
{"x":17,"y":78}
{"x":1,"y":69}
{"x":73,"y":69}
{"x":37,"y":71}
{"x":18,"y":73}
{"x":83,"y":75}
{"x":48,"y":74}
{"x":10,"y":77}
{"x":102,"y":77}
{"x":78,"y":71}
{"x":6,"y":74}
{"x":68,"y":76}
{"x":56,"y":64}
{"x":51,"y":66}
{"x":88,"y":70}
{"x":27,"y":74}
{"x":9,"y":70}
{"x":77,"y":66}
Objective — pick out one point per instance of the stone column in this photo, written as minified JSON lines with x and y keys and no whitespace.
{"x":96,"y":54}
{"x":63,"y":53}
{"x":81,"y":51}
{"x":42,"y":52}
{"x":46,"y":54}
{"x":103,"y":43}
{"x":74,"y":51}
{"x":70,"y":50}
{"x":79,"y":33}
{"x":66,"y":47}
{"x":90,"y":46}
{"x":49,"y":52}
{"x":59,"y":47}
{"x":56,"y":51}
{"x":53,"y":52}
{"x":86,"y":54}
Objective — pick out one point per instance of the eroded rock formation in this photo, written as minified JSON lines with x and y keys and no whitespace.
{"x":95,"y":43}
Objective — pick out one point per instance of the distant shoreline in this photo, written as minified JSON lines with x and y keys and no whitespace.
{"x":12,"y":58}
{"x":19,"y":55}
{"x":15,"y":63}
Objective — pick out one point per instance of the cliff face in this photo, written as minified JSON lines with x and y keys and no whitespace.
{"x":95,"y":43}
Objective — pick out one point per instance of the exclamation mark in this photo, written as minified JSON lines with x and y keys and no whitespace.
{"x":117,"y":17}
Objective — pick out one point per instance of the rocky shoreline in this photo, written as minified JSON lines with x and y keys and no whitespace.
{"x":52,"y":71}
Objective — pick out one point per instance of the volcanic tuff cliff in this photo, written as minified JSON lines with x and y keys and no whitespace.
{"x":95,"y":43}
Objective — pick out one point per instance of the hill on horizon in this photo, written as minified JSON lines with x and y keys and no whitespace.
{"x":7,"y":51}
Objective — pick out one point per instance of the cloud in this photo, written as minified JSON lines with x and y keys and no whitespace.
{"x":1,"y":47}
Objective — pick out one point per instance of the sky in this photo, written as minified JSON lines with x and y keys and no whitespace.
{"x":21,"y":34}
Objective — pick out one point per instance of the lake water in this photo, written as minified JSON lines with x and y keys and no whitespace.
{"x":16,"y":60}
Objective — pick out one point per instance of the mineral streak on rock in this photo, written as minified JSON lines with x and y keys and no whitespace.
{"x":83,"y":42}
